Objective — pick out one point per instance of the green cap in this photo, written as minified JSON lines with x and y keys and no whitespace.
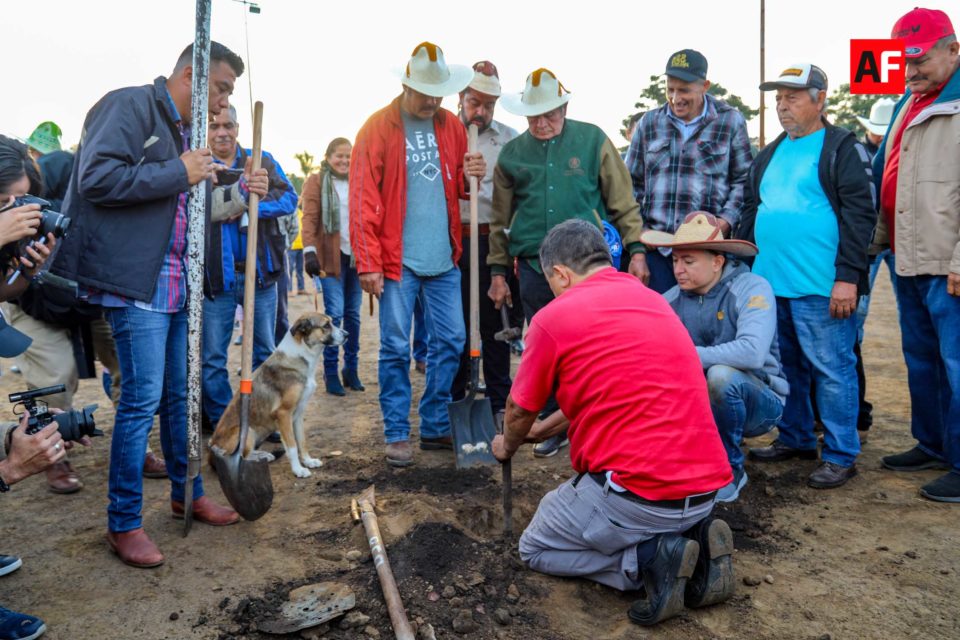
{"x":45,"y":138}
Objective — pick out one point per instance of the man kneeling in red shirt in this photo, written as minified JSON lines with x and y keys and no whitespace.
{"x":643,"y":442}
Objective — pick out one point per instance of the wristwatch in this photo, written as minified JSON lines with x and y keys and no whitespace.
{"x":4,"y":487}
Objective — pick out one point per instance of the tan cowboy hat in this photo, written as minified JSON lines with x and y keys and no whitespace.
{"x":428,"y":73}
{"x":543,"y":93}
{"x":486,"y":79}
{"x":880,"y":115}
{"x":699,"y":231}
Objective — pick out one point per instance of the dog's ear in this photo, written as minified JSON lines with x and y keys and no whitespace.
{"x":302,"y":327}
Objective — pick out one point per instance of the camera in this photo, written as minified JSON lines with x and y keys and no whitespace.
{"x":50,"y":222}
{"x":72,"y":425}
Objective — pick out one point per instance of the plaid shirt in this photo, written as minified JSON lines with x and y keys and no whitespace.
{"x":707,"y":172}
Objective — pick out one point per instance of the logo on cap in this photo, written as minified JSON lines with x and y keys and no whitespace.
{"x":680,"y":60}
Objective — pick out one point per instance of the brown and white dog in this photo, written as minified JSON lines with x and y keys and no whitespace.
{"x":282,"y":386}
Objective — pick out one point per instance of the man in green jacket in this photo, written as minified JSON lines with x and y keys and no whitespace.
{"x":557,"y":170}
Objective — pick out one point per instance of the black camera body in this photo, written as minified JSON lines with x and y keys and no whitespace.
{"x":50,"y":222}
{"x":72,"y":425}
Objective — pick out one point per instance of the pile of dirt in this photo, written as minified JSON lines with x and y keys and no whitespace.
{"x":447,"y":579}
{"x":435,"y":481}
{"x":752,"y":516}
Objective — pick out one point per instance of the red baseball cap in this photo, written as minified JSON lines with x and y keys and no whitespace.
{"x":920,"y":29}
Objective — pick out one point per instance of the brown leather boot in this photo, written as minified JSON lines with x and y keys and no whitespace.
{"x":135,"y":548}
{"x":61,"y":478}
{"x":207,"y":511}
{"x":154,"y":466}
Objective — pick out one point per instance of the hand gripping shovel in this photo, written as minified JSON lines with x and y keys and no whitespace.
{"x":471,"y":419}
{"x":246,"y":482}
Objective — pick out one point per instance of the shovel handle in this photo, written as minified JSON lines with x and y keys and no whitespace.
{"x":474,"y":251}
{"x":398,"y":615}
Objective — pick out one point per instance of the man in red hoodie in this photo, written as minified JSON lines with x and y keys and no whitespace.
{"x":408,"y":172}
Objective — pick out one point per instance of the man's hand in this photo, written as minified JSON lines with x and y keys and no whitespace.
{"x":724,"y":227}
{"x":499,"y":448}
{"x":310,"y":263}
{"x":19,"y":223}
{"x":37,"y":255}
{"x":199,"y":164}
{"x":258,"y":181}
{"x":843,"y":300}
{"x":499,"y":292}
{"x":372,"y":283}
{"x":474,"y":165}
{"x":30,"y":454}
{"x":953,"y":284}
{"x":638,"y":267}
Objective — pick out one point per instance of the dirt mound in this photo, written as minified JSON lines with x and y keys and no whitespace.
{"x":437,"y":480}
{"x":448,"y":579}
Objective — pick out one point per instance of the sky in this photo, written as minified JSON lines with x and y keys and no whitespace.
{"x":321,"y":68}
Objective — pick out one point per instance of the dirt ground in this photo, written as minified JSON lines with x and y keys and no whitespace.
{"x":870,"y":560}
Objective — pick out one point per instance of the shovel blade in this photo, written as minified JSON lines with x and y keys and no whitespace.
{"x":473,"y":429}
{"x":245,"y":483}
{"x":308,"y":606}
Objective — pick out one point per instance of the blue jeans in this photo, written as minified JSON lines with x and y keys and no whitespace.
{"x":294,"y":268}
{"x":814,"y":346}
{"x":930,"y":331}
{"x":661,"y":271}
{"x":885,"y":256}
{"x":743,"y":407}
{"x":443,"y":318}
{"x":218,"y":315}
{"x":419,"y":332}
{"x":152,"y":351}
{"x":342,"y":298}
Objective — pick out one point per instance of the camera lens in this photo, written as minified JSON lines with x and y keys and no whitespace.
{"x":75,"y":424}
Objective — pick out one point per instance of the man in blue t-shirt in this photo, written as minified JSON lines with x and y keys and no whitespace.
{"x":809,"y":207}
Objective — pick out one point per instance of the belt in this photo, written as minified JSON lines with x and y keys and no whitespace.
{"x":483,"y":229}
{"x":677,"y":503}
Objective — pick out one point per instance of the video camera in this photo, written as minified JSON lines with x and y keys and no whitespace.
{"x":72,"y":424}
{"x":50,"y":222}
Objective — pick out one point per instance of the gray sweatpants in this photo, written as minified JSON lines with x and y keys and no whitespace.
{"x":591,"y":532}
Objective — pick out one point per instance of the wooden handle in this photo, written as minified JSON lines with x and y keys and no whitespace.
{"x":250,"y":272}
{"x":398,"y":615}
{"x":474,"y":250}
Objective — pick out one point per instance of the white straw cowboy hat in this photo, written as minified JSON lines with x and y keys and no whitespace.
{"x":543,"y":93}
{"x":880,"y":115}
{"x":428,"y":73}
{"x":699,"y":231}
{"x":485,"y":79}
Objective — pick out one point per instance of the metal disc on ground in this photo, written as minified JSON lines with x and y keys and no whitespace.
{"x":310,"y":605}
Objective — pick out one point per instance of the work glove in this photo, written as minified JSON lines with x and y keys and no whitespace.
{"x":310,"y":263}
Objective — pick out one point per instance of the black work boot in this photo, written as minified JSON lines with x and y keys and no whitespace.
{"x":830,"y":475}
{"x":712,"y":580}
{"x":778,"y":452}
{"x":664,"y":580}
{"x":334,"y":387}
{"x":351,"y":380}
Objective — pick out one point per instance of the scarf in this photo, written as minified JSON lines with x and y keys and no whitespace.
{"x":329,"y":200}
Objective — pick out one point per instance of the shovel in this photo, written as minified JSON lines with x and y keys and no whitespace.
{"x":246,"y":482}
{"x":471,"y":419}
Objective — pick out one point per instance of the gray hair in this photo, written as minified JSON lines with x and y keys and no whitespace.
{"x":815,"y":93}
{"x":575,"y":244}
{"x":233,"y":113}
{"x":945,"y":41}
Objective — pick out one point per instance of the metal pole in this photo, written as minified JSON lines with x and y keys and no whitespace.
{"x":197,"y":211}
{"x":763,"y":55}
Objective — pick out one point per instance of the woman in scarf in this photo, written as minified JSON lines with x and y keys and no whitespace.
{"x":328,"y":258}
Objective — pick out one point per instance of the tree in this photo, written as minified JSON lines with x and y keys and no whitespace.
{"x":305,"y":158}
{"x":844,"y":107}
{"x":655,"y":94}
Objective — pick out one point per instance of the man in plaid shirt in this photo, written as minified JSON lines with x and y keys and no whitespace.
{"x":691,"y":154}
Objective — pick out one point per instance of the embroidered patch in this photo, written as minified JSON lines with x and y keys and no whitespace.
{"x":574,"y":163}
{"x":679,"y":60}
{"x":758,"y":302}
{"x":720,"y":315}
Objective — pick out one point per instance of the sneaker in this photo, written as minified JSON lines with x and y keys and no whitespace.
{"x":712,"y":579}
{"x":399,"y":454}
{"x":550,"y":446}
{"x":351,"y":380}
{"x":731,"y":492}
{"x":778,"y":452}
{"x":946,"y":488}
{"x":913,"y":460}
{"x":830,"y":475}
{"x":20,"y":626}
{"x":334,"y":387}
{"x":9,"y":564}
{"x":665,"y":580}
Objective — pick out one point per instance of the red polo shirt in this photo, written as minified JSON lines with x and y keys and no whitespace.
{"x":629,"y":379}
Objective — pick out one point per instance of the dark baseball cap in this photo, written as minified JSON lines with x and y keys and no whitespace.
{"x":12,"y":342}
{"x":798,"y":76}
{"x":687,"y":65}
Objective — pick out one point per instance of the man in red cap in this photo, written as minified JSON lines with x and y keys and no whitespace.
{"x":920,"y":221}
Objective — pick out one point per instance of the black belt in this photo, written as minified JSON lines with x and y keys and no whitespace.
{"x":677,"y":503}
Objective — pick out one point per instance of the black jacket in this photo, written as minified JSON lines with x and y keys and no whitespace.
{"x":847,"y":180}
{"x":123,"y":193}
